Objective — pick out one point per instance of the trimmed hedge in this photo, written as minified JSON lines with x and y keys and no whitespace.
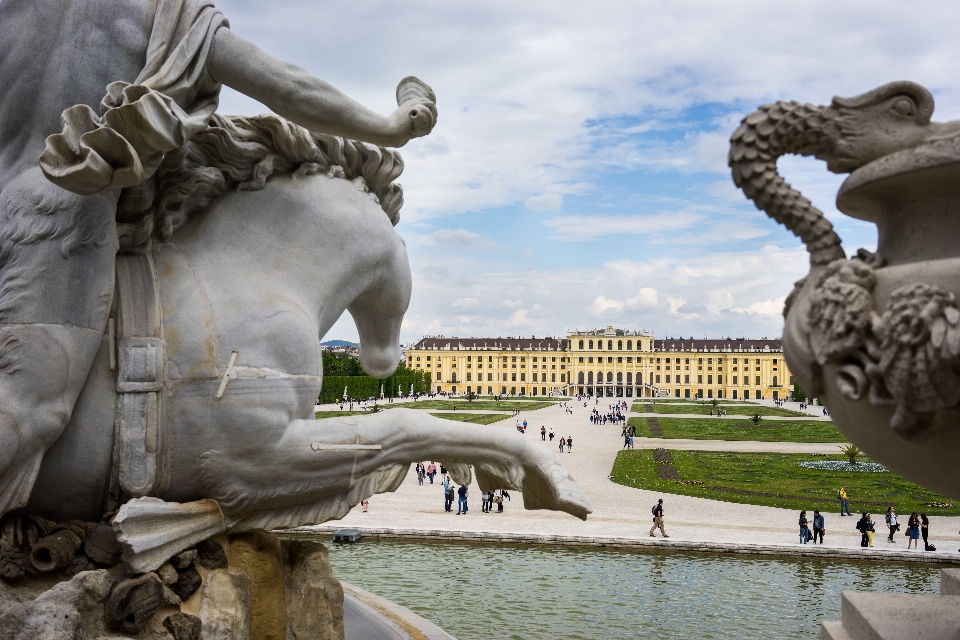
{"x":360,"y":387}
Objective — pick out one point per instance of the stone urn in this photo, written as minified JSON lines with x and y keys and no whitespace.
{"x":877,"y":336}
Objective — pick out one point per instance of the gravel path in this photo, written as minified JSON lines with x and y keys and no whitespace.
{"x":620,"y":511}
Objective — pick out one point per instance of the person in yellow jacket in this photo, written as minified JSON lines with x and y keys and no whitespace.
{"x":844,"y":507}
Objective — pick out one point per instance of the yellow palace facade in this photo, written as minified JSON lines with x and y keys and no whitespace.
{"x":612,"y":363}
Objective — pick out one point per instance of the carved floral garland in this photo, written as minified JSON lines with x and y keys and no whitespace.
{"x":908,"y":357}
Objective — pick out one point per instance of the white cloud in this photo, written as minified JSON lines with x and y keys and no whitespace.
{"x":511,"y":303}
{"x":465,"y":303}
{"x":581,"y":228}
{"x":544,"y":202}
{"x":768,"y":308}
{"x":604,"y":306}
{"x":460,"y":238}
{"x":646,"y":298}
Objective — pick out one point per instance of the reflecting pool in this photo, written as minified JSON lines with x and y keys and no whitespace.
{"x":493,"y":592}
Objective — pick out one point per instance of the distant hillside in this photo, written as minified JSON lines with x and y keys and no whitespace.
{"x":338,"y":343}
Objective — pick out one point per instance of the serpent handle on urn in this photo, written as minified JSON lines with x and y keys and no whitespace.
{"x":876,"y":337}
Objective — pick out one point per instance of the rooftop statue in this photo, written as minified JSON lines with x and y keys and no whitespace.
{"x":876,"y":337}
{"x":166,"y":274}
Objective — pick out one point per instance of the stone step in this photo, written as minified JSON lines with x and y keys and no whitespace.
{"x":833,"y":630}
{"x":894,"y":616}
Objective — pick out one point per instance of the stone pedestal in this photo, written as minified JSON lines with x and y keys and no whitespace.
{"x":251,"y":586}
{"x":898,"y":616}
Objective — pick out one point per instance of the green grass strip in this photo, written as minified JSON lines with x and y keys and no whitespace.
{"x":476,"y":405}
{"x":473,"y":418}
{"x":741,"y":430}
{"x":776,"y":480}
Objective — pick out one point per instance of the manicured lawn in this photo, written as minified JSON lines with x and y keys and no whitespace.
{"x":775,"y":480}
{"x":768,"y":430}
{"x":473,"y":418}
{"x":732,"y":409}
{"x":476,"y":405}
{"x":529,"y":398}
{"x":320,"y":415}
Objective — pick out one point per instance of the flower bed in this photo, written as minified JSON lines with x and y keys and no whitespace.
{"x":839,"y":465}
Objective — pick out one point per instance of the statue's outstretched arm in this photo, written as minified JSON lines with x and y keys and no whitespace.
{"x":297,"y":94}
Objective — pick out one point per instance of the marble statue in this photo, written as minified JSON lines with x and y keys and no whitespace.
{"x":876,"y":337}
{"x":166,"y":274}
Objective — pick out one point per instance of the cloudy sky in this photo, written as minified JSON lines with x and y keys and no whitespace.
{"x":577,"y":175}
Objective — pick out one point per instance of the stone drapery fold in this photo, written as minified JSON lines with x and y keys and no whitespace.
{"x":171,"y":100}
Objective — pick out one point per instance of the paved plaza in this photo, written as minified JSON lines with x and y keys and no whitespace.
{"x":620,"y":511}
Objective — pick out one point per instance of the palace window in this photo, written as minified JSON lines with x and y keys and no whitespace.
{"x":629,"y":360}
{"x":630,"y":345}
{"x":591,"y":344}
{"x":468,"y":376}
{"x":580,"y":360}
{"x":709,"y":379}
{"x":719,"y":379}
{"x":609,"y":376}
{"x":699,"y":360}
{"x":534,"y":377}
{"x":758,"y":380}
{"x":686,"y":379}
{"x":428,"y":358}
{"x":699,"y":379}
{"x":734,"y":379}
{"x":580,"y":378}
{"x":658,"y":378}
{"x":581,"y":345}
{"x":619,"y":377}
{"x":609,"y":360}
{"x":668,"y":379}
{"x":590,"y":377}
{"x":619,"y":360}
{"x":489,"y":377}
{"x":589,"y":360}
{"x":553,"y":377}
{"x":609,"y":345}
{"x":513,"y":377}
{"x":709,"y":360}
{"x":619,"y":345}
{"x":468,"y":358}
{"x":629,"y":378}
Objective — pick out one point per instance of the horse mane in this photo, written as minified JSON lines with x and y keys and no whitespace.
{"x":241,"y":153}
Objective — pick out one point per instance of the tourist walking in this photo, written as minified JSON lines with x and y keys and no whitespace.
{"x":498,"y":497}
{"x":913,"y":530}
{"x":543,"y":433}
{"x":462,"y":501}
{"x":447,"y":494}
{"x":862,"y":528}
{"x":551,"y":434}
{"x":804,"y":528}
{"x":818,"y":526}
{"x":658,"y":520}
{"x":844,"y":506}
{"x":925,"y":532}
{"x":562,"y":442}
{"x":431,"y":471}
{"x":486,"y":501}
{"x":891,"y":520}
{"x":421,"y":471}
{"x":569,"y":444}
{"x":870,"y":530}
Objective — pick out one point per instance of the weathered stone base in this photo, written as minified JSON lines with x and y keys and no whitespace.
{"x":899,"y":616}
{"x":251,"y":586}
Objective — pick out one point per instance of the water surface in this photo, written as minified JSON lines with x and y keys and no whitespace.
{"x":528,"y":592}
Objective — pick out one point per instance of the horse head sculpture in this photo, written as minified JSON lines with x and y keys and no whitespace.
{"x":876,"y":337}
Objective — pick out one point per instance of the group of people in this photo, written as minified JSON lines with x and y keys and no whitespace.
{"x":491,"y":498}
{"x":819,"y":527}
{"x":428,"y":471}
{"x":628,"y":433}
{"x":566,"y":442}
